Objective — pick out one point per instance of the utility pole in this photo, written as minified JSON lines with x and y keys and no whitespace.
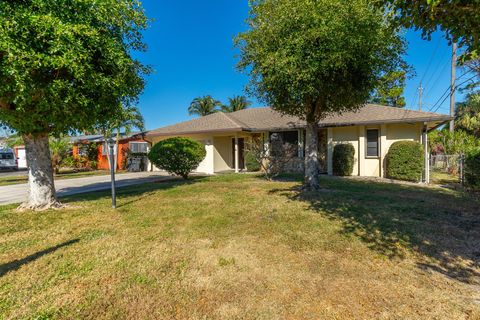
{"x":452,"y":84}
{"x":420,"y":97}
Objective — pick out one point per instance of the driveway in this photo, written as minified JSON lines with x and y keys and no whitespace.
{"x":18,"y":192}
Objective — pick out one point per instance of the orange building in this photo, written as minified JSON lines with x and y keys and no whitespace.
{"x":128,"y":144}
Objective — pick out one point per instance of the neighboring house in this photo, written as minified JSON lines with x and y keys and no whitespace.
{"x":133,"y":143}
{"x":371,"y":130}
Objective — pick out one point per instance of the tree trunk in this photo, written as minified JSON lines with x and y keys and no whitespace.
{"x":41,"y":187}
{"x":311,"y":157}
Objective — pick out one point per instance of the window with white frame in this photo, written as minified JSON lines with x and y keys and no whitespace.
{"x":105,"y":150}
{"x":138,"y":147}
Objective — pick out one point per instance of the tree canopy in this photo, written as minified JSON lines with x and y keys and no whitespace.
{"x":467,"y":114}
{"x":390,"y":89}
{"x":203,"y":106}
{"x":236,"y":103}
{"x":458,"y":18}
{"x":311,"y":58}
{"x":66,"y":66}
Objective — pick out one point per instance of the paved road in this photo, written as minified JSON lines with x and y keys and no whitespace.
{"x":18,"y":192}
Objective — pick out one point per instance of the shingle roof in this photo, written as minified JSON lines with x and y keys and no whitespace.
{"x":262,"y":119}
{"x":99,"y":137}
{"x":218,"y":121}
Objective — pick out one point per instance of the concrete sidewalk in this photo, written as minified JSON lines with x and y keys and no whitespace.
{"x":18,"y":192}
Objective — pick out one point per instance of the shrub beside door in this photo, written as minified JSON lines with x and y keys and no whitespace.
{"x":404,"y":161}
{"x":343,"y":159}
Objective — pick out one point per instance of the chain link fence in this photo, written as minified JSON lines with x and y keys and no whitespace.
{"x":447,"y":169}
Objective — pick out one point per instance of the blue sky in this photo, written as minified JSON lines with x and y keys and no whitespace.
{"x":191,"y":50}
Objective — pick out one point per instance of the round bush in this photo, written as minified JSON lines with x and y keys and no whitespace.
{"x":343,"y":159}
{"x":251,"y":162}
{"x":179,"y":156}
{"x":404,"y":161}
{"x":472,"y":169}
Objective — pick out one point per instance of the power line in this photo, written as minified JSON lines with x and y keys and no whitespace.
{"x":448,"y":95}
{"x":444,"y":93}
{"x":431,"y":59}
{"x":437,"y":68}
{"x":425,"y":74}
{"x":448,"y":88}
{"x":436,"y":80}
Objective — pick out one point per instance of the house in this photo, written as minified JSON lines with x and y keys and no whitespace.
{"x":371,"y":130}
{"x":128,"y":143}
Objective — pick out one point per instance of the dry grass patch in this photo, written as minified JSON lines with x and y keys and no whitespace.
{"x":239,"y":247}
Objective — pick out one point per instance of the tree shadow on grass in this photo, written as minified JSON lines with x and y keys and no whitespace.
{"x":441,"y":227}
{"x":16,"y":264}
{"x":136,"y":192}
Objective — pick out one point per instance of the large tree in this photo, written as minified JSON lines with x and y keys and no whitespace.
{"x":236,"y":103}
{"x":390,"y":89}
{"x":312,"y":58}
{"x":65,"y":66}
{"x":203,"y":106}
{"x":459,"y":19}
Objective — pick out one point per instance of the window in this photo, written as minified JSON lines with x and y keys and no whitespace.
{"x":138,"y":147}
{"x":372,"y":143}
{"x":105,"y":150}
{"x":6,"y":156}
{"x":82,"y":150}
{"x":282,"y":138}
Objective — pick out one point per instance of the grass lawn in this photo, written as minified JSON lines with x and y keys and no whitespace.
{"x":444,"y":178}
{"x":239,"y":247}
{"x":9,"y":180}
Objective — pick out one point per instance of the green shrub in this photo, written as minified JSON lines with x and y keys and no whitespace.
{"x":404,"y":161}
{"x":178,"y":156}
{"x":472,"y":169}
{"x":343,"y":159}
{"x":69,"y":162}
{"x":251,"y":162}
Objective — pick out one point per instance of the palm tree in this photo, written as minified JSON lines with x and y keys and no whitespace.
{"x":236,"y":103}
{"x":203,"y":106}
{"x":128,"y":119}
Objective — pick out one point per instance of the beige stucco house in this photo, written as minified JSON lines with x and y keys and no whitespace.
{"x":371,"y":130}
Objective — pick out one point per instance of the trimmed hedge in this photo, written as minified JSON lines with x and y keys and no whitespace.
{"x":404,"y":161}
{"x":343,"y":159}
{"x":472,"y":169}
{"x":251,"y":162}
{"x":177,"y":155}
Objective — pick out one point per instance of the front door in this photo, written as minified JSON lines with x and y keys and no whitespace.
{"x":241,"y":148}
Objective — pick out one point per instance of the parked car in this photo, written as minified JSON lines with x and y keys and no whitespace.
{"x":8,"y":160}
